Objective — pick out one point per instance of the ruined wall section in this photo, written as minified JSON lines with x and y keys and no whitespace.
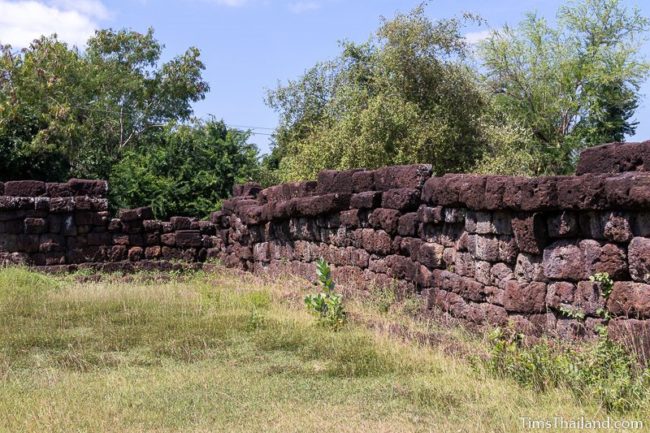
{"x":484,"y":249}
{"x":64,"y":225}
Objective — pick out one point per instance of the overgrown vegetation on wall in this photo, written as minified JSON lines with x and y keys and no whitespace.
{"x":115,"y":111}
{"x":524,"y":101}
{"x":413,"y":94}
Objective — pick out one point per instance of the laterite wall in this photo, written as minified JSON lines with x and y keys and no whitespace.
{"x":485,"y":249}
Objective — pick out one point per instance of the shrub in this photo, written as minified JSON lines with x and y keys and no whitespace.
{"x":327,"y":305}
{"x":603,"y":371}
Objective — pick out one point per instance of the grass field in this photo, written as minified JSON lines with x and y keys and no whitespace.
{"x":224,"y":352}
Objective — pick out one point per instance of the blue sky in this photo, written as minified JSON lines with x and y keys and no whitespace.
{"x":250,"y":45}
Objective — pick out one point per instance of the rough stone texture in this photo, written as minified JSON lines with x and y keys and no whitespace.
{"x":563,"y":260}
{"x":615,"y":158}
{"x":562,"y":225}
{"x":630,"y":299}
{"x":485,"y":249}
{"x":530,"y":233}
{"x":525,"y":297}
{"x":639,"y":259}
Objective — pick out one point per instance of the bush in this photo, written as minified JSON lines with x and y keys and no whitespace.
{"x":327,"y":306}
{"x":188,"y":171}
{"x":603,"y":371}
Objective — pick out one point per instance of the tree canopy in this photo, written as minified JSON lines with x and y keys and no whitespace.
{"x":570,"y":86}
{"x":75,"y":112}
{"x":413,"y":94}
{"x":115,"y":111}
{"x":185,"y":170}
{"x":391,"y":100}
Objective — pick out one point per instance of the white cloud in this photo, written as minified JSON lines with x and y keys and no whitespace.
{"x":303,"y":6}
{"x":72,"y":20}
{"x":476,"y":37}
{"x":92,"y":8}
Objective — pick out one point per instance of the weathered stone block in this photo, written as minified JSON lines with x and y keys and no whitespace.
{"x":188,"y":238}
{"x":24,"y":188}
{"x":332,"y":181}
{"x":386,"y":219}
{"x":588,"y":298}
{"x":366,"y":200}
{"x":562,"y":225}
{"x":401,"y":267}
{"x":408,"y":224}
{"x":328,"y":203}
{"x":135,"y":254}
{"x":630,"y":300}
{"x":61,"y":204}
{"x":529,"y":268}
{"x":484,"y":247}
{"x":530,"y":232}
{"x":408,"y":246}
{"x":51,"y":243}
{"x":525,"y":297}
{"x":376,"y":242}
{"x":615,"y":158}
{"x":617,"y":228}
{"x":93,"y":188}
{"x":564,"y":260}
{"x":180,"y":223}
{"x":464,"y":264}
{"x":153,"y":252}
{"x":363,"y":180}
{"x":401,"y":176}
{"x":168,"y":239}
{"x":495,"y":188}
{"x":560,"y":293}
{"x":430,"y":255}
{"x":639,"y":259}
{"x":500,"y":274}
{"x":35,"y":225}
{"x":609,"y":258}
{"x":430,"y":215}
{"x":403,"y":199}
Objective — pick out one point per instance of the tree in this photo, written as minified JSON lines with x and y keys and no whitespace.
{"x":567,"y":87}
{"x":187,"y":170}
{"x":404,"y":96}
{"x":79,"y":111}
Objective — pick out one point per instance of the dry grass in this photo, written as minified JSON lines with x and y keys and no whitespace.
{"x":237,"y":353}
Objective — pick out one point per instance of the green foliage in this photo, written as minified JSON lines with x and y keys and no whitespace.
{"x":567,"y":87}
{"x":116,"y":111}
{"x":65,"y":112}
{"x":606,"y":283}
{"x":384,"y":297}
{"x":187,"y":170}
{"x":21,"y":289}
{"x":391,"y":100}
{"x":573,"y":313}
{"x":327,"y":305}
{"x":604,"y":371}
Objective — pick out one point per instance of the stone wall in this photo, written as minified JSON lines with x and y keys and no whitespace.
{"x":484,"y":249}
{"x":63,"y":225}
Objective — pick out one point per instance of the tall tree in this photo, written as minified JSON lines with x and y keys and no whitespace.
{"x":404,"y":96}
{"x":78,"y":111}
{"x":568,"y":86}
{"x":185,"y":169}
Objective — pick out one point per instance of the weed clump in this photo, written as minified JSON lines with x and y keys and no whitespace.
{"x":604,"y":371}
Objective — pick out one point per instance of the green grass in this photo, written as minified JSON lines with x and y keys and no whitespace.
{"x":236,"y":353}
